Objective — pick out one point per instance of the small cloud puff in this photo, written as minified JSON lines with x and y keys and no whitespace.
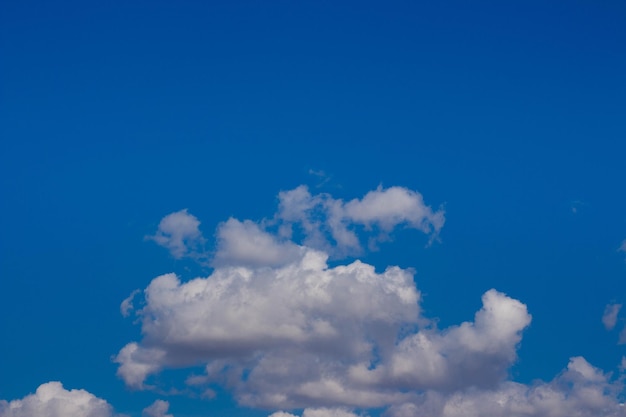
{"x":180,"y":234}
{"x":157,"y":409}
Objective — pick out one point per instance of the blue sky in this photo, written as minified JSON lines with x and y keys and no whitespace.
{"x":506,"y":117}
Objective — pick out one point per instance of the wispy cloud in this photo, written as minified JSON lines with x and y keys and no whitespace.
{"x":609,"y":318}
{"x":323,"y":177}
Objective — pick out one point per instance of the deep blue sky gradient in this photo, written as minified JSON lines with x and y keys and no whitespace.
{"x":113,"y":114}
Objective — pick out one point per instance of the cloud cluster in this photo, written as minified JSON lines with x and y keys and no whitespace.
{"x":580,"y":391}
{"x":52,"y":400}
{"x":282,"y":330}
{"x":328,"y":223}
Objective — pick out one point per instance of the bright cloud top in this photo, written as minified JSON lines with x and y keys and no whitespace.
{"x":52,"y":400}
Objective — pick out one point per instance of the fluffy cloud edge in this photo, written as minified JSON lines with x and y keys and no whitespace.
{"x":51,"y":399}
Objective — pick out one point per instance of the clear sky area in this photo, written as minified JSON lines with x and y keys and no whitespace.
{"x":312,"y":208}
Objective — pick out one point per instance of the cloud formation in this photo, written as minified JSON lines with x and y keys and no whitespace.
{"x":307,"y":335}
{"x":157,"y":409}
{"x":282,"y":330}
{"x":580,"y":391}
{"x":328,"y":223}
{"x":52,"y":400}
{"x":609,"y":318}
{"x":303,"y":307}
{"x":180,"y":234}
{"x":247,"y":244}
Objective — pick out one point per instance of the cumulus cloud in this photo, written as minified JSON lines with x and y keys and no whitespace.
{"x":581,"y":391}
{"x":180,"y":234}
{"x":247,"y":244}
{"x":328,"y":223}
{"x":237,"y":312}
{"x":306,"y":335}
{"x":157,"y":409}
{"x":52,"y":400}
{"x":282,"y":330}
{"x":609,"y":318}
{"x":476,"y":353}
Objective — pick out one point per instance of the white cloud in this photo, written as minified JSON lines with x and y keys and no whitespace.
{"x":157,"y":409}
{"x":280,"y":329}
{"x":391,"y":207}
{"x":246,"y":244}
{"x":580,"y":391}
{"x":305,"y":335}
{"x":609,"y":318}
{"x":328,"y":223}
{"x":137,"y":362}
{"x":52,"y":400}
{"x":127,"y":305}
{"x":622,"y":247}
{"x":237,"y":312}
{"x":475,"y":353}
{"x":179,"y":233}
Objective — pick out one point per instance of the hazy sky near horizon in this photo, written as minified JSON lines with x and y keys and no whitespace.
{"x":319,"y":209}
